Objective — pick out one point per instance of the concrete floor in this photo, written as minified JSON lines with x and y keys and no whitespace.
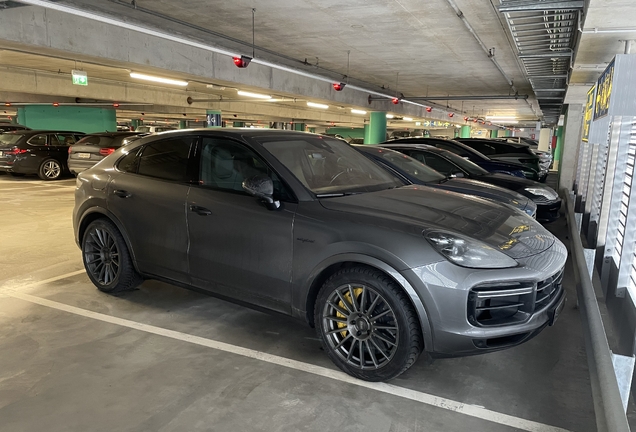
{"x":156,"y":359}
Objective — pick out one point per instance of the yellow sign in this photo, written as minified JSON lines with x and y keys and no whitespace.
{"x":587,"y":118}
{"x":604,"y":91}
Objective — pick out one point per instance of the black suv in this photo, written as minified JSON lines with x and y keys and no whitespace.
{"x":36,"y":152}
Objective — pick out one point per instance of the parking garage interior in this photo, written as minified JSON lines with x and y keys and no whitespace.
{"x":529,"y":99}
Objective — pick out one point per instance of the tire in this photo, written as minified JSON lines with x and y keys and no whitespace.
{"x":389,"y":335}
{"x":50,"y":169}
{"x":106,"y":258}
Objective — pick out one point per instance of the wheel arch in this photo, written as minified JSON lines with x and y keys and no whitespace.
{"x":331,"y":265}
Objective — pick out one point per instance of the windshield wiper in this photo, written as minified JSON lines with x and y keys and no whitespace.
{"x":336,"y":194}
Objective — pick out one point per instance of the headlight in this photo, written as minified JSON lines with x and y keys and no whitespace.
{"x":546,"y":193}
{"x":467,"y":252}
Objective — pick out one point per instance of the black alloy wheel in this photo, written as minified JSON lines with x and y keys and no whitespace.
{"x":367,"y":324}
{"x":106,"y":258}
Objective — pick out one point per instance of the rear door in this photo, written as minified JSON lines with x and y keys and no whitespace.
{"x":148,"y":196}
{"x":58,"y":146}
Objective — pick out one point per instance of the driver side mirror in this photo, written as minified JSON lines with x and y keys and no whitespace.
{"x":262,"y":187}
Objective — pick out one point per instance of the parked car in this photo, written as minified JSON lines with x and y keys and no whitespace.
{"x":153,"y":129}
{"x":36,"y":152}
{"x":509,"y":152}
{"x":8,"y":127}
{"x":307,"y":226}
{"x":466,"y":152}
{"x":546,"y":158}
{"x":95,"y":147}
{"x":547,"y":200}
{"x":412,"y":171}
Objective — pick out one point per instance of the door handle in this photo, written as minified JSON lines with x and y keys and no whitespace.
{"x":200,"y":210}
{"x":122,"y":193}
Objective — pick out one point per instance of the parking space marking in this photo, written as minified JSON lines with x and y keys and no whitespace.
{"x":425,"y":398}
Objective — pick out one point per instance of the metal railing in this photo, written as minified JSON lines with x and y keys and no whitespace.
{"x":608,"y":407}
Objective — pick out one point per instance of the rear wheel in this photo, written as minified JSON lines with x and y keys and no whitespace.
{"x":50,"y":169}
{"x":106,"y":258}
{"x":367,"y":324}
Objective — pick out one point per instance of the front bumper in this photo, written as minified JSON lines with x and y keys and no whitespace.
{"x":548,"y":212}
{"x":444,"y":289}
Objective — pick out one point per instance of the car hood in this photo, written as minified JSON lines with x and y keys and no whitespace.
{"x":485,"y":190}
{"x":498,"y":226}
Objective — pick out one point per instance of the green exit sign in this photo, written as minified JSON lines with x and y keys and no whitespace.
{"x":79,"y":77}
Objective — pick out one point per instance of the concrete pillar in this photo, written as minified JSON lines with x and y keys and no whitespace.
{"x":377,"y":128}
{"x":68,"y":118}
{"x":464,"y":132}
{"x":299,"y":127}
{"x":183,"y":124}
{"x":559,"y":148}
{"x":494,"y":133}
{"x":213,"y":118}
{"x":544,"y":139}
{"x":456,"y":133}
{"x":572,"y":129}
{"x":238,"y":124}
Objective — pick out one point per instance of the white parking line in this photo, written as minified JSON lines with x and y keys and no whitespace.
{"x":428,"y":399}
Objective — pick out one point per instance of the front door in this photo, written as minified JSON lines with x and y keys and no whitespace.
{"x":239,"y":248}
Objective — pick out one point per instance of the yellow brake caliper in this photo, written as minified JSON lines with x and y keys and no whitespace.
{"x":357,"y":292}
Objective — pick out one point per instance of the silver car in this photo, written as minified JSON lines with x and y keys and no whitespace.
{"x":305,"y":225}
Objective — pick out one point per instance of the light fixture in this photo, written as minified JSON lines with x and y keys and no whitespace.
{"x":317,"y":105}
{"x":357,"y":111}
{"x":390,"y":116}
{"x":407,"y":119}
{"x":242,"y":61}
{"x":158,"y":79}
{"x":500,"y":118}
{"x":253,"y":95}
{"x":507,"y":121}
{"x":395,"y":101}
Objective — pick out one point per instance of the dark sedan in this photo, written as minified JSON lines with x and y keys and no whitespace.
{"x":305,"y":225}
{"x":412,"y":171}
{"x":509,"y":152}
{"x":547,"y":200}
{"x":8,"y":127}
{"x":95,"y":147}
{"x":36,"y":152}
{"x":466,"y":152}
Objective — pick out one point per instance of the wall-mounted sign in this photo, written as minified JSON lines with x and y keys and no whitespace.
{"x":79,"y":77}
{"x":587,"y":117}
{"x":603,"y":92}
{"x":435,"y":123}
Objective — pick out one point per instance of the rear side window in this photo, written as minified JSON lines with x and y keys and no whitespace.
{"x":485,"y":148}
{"x":457,"y":150}
{"x":38,"y":140}
{"x":439,"y":164}
{"x":97,"y":140}
{"x":130,"y":162}
{"x":64,"y":140}
{"x":166,"y":160}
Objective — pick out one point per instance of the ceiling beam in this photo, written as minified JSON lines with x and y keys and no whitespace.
{"x":488,"y":97}
{"x":523,"y":6}
{"x":546,"y":55}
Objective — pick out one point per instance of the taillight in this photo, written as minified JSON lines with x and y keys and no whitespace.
{"x":106,"y":151}
{"x":70,"y":149}
{"x":16,"y":151}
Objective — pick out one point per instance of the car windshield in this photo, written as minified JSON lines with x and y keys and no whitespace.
{"x":466,"y":165}
{"x":329,"y":167}
{"x":411,"y":166}
{"x":9,"y":138}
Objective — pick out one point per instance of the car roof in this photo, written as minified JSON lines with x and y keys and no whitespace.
{"x":115,"y":134}
{"x":412,"y":146}
{"x":486,"y":140}
{"x":38,"y":132}
{"x":247,"y":132}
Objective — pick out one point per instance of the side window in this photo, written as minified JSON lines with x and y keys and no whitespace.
{"x":37,"y":140}
{"x":130,"y":162}
{"x":458,"y":151}
{"x":484,"y":148}
{"x":64,"y":140}
{"x":167,"y":160}
{"x":225,"y":164}
{"x":438,"y":163}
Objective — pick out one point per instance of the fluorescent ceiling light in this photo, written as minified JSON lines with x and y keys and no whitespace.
{"x":158,"y":79}
{"x":407,"y":119}
{"x":357,"y":111}
{"x":507,"y":121}
{"x":253,"y":95}
{"x":317,"y":105}
{"x":390,"y":116}
{"x":497,"y":118}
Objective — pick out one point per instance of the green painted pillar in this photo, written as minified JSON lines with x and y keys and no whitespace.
{"x":14,"y":119}
{"x":427,"y":133}
{"x":213,"y":118}
{"x":312,"y":130}
{"x":507,"y":133}
{"x":376,"y":128}
{"x":299,"y":127}
{"x":456,"y":132}
{"x":68,"y":118}
{"x":464,"y":132}
{"x":183,"y":124}
{"x":134,"y":123}
{"x":365,"y":133}
{"x":558,"y":151}
{"x":493,"y":133}
{"x":238,"y":124}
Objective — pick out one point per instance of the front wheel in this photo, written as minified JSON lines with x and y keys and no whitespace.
{"x":367,"y":324}
{"x":106,"y":258}
{"x":50,"y":169}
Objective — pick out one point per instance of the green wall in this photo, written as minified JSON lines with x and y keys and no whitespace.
{"x":347,"y":132}
{"x":70,"y":118}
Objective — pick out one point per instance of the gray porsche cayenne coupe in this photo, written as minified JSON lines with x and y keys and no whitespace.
{"x":306,"y":225}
